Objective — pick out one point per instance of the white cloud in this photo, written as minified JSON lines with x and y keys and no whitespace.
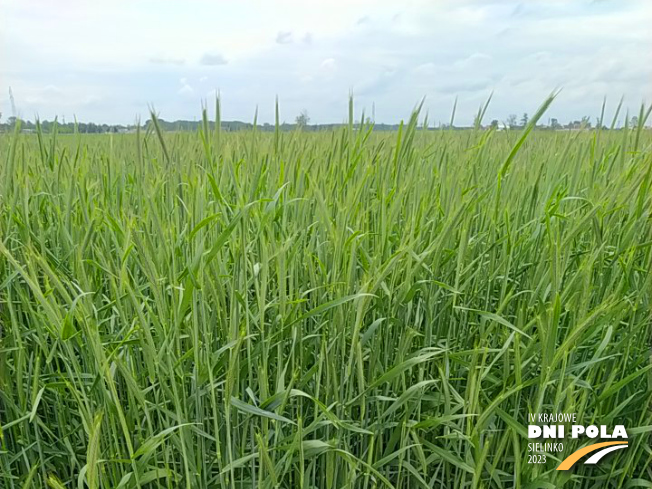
{"x":475,"y":60}
{"x":311,"y":54}
{"x":164,"y":60}
{"x":284,"y":37}
{"x":42,"y":95}
{"x":213,"y":59}
{"x":185,"y":89}
{"x":328,"y":64}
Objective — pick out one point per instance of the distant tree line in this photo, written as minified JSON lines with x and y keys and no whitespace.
{"x":301,"y":123}
{"x":169,"y":126}
{"x":512,"y":122}
{"x":63,"y":127}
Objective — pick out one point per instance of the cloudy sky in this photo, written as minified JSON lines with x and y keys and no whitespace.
{"x":107,"y":61}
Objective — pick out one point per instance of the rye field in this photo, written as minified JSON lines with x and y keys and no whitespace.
{"x":335,"y":309}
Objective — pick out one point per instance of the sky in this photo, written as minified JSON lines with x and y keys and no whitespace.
{"x":110,"y":61}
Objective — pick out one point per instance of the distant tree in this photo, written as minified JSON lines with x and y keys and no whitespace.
{"x":633,"y":121}
{"x":302,"y":119}
{"x":524,"y":119}
{"x":494,"y":124}
{"x":554,"y":124}
{"x":511,"y":120}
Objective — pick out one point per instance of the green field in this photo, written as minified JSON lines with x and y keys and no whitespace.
{"x":337,"y":309}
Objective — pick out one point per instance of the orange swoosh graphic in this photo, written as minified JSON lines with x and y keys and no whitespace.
{"x":575,"y":456}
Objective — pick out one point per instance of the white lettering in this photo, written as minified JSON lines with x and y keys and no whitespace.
{"x":577,"y":430}
{"x":592,"y":431}
{"x":533,"y":431}
{"x":620,"y":432}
